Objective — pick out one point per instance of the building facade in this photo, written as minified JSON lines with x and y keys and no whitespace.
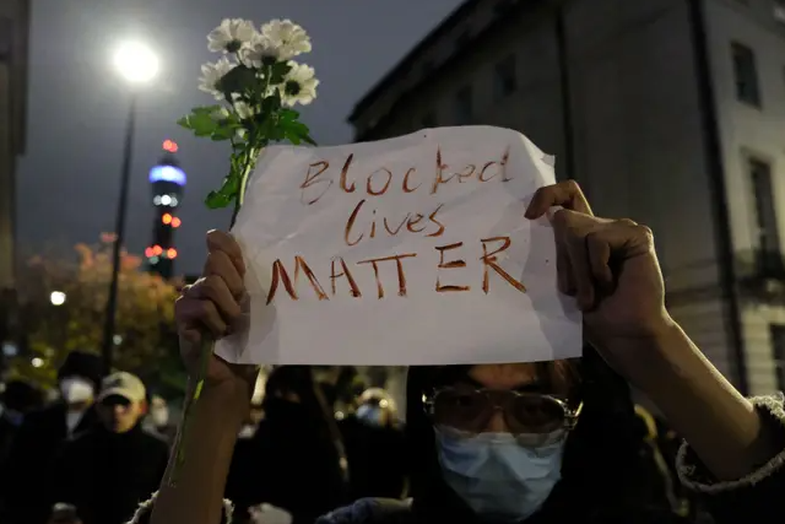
{"x":669,"y":112}
{"x":14,"y":29}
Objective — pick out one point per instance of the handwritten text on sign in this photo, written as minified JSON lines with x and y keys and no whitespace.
{"x":412,"y":250}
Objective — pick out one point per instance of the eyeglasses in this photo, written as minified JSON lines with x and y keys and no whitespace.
{"x":470,"y":410}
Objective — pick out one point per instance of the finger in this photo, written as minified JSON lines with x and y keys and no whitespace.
{"x":581,"y":271}
{"x":567,"y":194}
{"x":599,"y":252}
{"x":221,"y":241}
{"x":219,"y":264}
{"x":195,"y":314}
{"x":571,"y":230}
{"x":564,"y":279}
{"x":214,"y":289}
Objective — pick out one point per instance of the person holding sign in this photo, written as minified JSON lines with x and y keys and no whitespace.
{"x":540,"y":443}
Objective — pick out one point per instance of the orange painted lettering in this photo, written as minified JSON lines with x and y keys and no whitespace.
{"x":502,"y":169}
{"x":440,"y":168}
{"x":344,"y":272}
{"x":350,"y":224}
{"x":490,"y":261}
{"x":401,"y":274}
{"x":384,"y":188}
{"x":442,"y":288}
{"x":312,"y":179}
{"x":345,"y":173}
{"x":432,"y":218}
{"x":406,"y":187}
{"x":290,"y":285}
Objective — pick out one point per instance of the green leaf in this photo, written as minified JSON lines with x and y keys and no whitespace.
{"x":224,"y":131}
{"x":205,"y":109}
{"x":201,"y":123}
{"x":288,"y":115}
{"x":226,"y":195}
{"x":217,"y":200}
{"x":296,"y":130}
{"x":238,"y":80}
{"x":278,"y":72}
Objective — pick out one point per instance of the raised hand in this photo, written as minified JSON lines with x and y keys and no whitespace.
{"x":212,"y":307}
{"x":610,"y":266}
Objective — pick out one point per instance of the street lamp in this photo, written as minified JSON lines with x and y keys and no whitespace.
{"x":57,"y":298}
{"x":138,"y":64}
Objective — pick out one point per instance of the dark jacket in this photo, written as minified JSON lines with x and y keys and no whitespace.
{"x":106,"y":475}
{"x":27,"y":496}
{"x":290,"y":463}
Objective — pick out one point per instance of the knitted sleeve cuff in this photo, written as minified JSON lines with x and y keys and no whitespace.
{"x":696,"y":477}
{"x":145,"y":510}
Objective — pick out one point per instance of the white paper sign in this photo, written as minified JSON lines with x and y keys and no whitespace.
{"x":412,"y":250}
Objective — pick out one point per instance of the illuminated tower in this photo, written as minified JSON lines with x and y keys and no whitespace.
{"x":168,"y":183}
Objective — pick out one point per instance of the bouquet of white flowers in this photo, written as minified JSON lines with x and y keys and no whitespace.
{"x":256,"y":83}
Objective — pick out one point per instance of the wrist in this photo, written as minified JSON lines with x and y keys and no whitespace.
{"x":228,"y":400}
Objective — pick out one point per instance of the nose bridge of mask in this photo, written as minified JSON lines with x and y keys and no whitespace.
{"x":471,"y":455}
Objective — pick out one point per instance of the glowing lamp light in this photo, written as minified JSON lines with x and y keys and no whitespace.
{"x":171,"y":146}
{"x":136,"y":62}
{"x":171,"y":253}
{"x":149,"y":252}
{"x":157,"y":250}
{"x":167,"y":174}
{"x":57,"y":298}
{"x":166,"y":219}
{"x":176,"y":222}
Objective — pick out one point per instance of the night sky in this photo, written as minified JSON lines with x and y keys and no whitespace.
{"x":68,"y":180}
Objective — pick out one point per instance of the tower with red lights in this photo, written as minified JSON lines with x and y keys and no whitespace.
{"x":167,"y":180}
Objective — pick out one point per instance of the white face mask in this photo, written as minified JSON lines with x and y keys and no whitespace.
{"x":247,"y":431}
{"x":159,"y":416}
{"x":76,"y":390}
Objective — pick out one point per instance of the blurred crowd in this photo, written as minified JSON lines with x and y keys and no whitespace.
{"x":101,"y":447}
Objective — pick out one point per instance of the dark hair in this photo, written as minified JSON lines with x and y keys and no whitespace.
{"x":82,"y":364}
{"x":22,"y":396}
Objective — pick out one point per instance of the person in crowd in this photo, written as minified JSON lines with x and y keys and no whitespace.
{"x":375,"y":447}
{"x":157,"y":421}
{"x":292,"y":461}
{"x":108,"y":470}
{"x":43,"y":432}
{"x":533,"y":443}
{"x":657,"y":477}
{"x":18,"y":399}
{"x":255,"y":414}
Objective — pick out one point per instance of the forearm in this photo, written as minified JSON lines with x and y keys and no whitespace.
{"x":208,"y":447}
{"x":721,"y":426}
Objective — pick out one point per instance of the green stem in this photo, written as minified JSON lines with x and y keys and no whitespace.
{"x":208,"y":342}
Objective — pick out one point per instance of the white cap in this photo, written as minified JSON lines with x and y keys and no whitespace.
{"x":123,"y":384}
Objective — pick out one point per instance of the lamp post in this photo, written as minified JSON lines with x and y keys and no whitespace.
{"x":138,"y":65}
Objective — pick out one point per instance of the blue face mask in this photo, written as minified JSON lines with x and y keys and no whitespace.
{"x":496,"y":476}
{"x":371,"y":415}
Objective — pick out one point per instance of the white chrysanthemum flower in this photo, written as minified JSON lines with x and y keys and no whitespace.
{"x":244,"y":110}
{"x":212,"y":73}
{"x":290,"y":38}
{"x":231,"y":35}
{"x":260,"y":51}
{"x":299,"y":85}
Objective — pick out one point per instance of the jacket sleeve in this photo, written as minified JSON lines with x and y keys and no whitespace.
{"x":145,"y":510}
{"x":758,"y":497}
